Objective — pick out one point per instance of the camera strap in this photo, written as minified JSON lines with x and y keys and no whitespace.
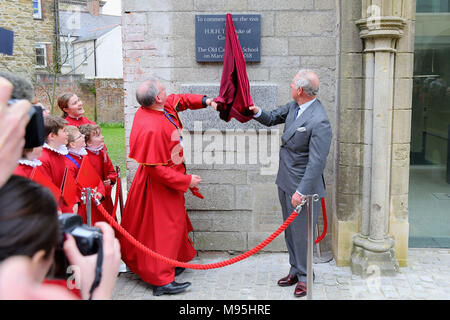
{"x":98,"y":267}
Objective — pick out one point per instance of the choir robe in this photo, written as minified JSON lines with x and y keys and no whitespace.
{"x":79,"y":121}
{"x":155,"y":212}
{"x":24,"y":170}
{"x":73,"y":169}
{"x":53,"y":167}
{"x":105,"y":169}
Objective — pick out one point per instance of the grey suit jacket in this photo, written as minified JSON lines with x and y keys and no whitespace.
{"x":305,"y":144}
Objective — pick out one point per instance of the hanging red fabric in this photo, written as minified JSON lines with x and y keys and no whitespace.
{"x":234,"y":96}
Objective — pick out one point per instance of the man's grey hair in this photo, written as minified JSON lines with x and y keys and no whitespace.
{"x":306,"y":82}
{"x":147,"y":92}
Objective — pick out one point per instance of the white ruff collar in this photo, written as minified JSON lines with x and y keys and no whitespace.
{"x":95,"y":150}
{"x":62,"y":150}
{"x":31,"y":163}
{"x":80,"y":152}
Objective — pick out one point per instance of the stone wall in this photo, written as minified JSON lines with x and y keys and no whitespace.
{"x":17,"y":15}
{"x":357,"y":134}
{"x":241,"y":206}
{"x":105,"y":95}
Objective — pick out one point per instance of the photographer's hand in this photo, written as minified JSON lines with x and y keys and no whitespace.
{"x":13,"y":121}
{"x":87,"y":264}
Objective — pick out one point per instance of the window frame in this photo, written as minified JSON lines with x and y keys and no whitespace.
{"x":40,"y":46}
{"x":37,"y":15}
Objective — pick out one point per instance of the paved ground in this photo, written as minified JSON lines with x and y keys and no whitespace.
{"x":426,"y":277}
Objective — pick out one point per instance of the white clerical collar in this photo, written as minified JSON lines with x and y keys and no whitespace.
{"x":62,"y":150}
{"x":31,"y":163}
{"x":75,"y":118}
{"x":78,"y":152}
{"x":95,"y":150}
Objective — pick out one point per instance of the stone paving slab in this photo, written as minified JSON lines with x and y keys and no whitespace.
{"x":427,"y":276}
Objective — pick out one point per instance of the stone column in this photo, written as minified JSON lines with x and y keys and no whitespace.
{"x":373,"y":246}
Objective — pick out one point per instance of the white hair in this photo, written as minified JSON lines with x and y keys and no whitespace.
{"x":306,"y":82}
{"x":147,"y":95}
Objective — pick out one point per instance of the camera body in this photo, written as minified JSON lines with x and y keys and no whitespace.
{"x":88,"y":240}
{"x":35,"y":131}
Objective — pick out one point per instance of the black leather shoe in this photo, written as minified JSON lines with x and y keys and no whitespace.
{"x":171,"y":288}
{"x":179,"y":271}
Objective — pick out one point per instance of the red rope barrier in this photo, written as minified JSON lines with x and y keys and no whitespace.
{"x":176,"y":263}
{"x":221,"y":264}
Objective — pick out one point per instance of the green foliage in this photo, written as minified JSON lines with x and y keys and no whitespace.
{"x":115,"y":142}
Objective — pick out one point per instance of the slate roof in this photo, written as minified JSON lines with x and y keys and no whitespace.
{"x":86,"y":26}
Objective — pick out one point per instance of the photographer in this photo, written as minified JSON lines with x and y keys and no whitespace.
{"x":30,"y":227}
{"x":13,"y":121}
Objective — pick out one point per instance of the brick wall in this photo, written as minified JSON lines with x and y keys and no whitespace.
{"x":105,"y":94}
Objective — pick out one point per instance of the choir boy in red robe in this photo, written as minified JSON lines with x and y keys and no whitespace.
{"x":28,"y":162}
{"x":53,"y":153}
{"x":98,"y":156}
{"x":155,"y":210}
{"x":72,"y":109}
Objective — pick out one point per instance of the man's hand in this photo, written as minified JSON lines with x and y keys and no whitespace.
{"x":254,"y":109}
{"x":195,"y":181}
{"x":297,"y":199}
{"x":212,"y":103}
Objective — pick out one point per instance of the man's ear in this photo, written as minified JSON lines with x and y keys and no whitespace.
{"x":158,"y":100}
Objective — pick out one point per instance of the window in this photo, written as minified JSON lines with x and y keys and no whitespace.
{"x":85,"y":55}
{"x":41,"y":55}
{"x":433,"y":6}
{"x":37,"y":9}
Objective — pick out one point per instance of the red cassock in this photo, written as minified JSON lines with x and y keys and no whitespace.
{"x":234,"y":95}
{"x":105,"y":169}
{"x":53,"y":167}
{"x":78,"y":121}
{"x":155,"y":212}
{"x":23,"y":170}
{"x":73,"y":169}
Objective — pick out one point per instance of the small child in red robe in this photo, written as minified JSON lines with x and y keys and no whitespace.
{"x":53,"y":152}
{"x":28,"y":162}
{"x":76,"y":153}
{"x":98,"y":156}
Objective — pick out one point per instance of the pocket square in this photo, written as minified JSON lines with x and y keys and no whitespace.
{"x":301,"y":129}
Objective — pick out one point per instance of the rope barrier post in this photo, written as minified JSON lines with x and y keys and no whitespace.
{"x":89,"y":206}
{"x":310,"y":243}
{"x":119,"y":185}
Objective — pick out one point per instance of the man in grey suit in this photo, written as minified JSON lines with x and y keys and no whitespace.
{"x":305,"y":145}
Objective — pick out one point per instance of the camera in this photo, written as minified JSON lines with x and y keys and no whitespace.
{"x":88,"y":239}
{"x":35,"y":131}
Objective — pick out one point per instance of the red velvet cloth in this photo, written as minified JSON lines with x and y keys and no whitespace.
{"x":234,"y":96}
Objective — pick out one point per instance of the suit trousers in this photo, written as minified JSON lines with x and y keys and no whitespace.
{"x":296,"y":234}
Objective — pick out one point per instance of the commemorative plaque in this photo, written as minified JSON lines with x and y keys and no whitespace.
{"x":210,"y":36}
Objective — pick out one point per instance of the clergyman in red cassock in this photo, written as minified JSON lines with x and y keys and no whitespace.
{"x":155,"y":212}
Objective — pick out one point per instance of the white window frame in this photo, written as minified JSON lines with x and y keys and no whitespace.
{"x":41,"y":46}
{"x":37,"y":15}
